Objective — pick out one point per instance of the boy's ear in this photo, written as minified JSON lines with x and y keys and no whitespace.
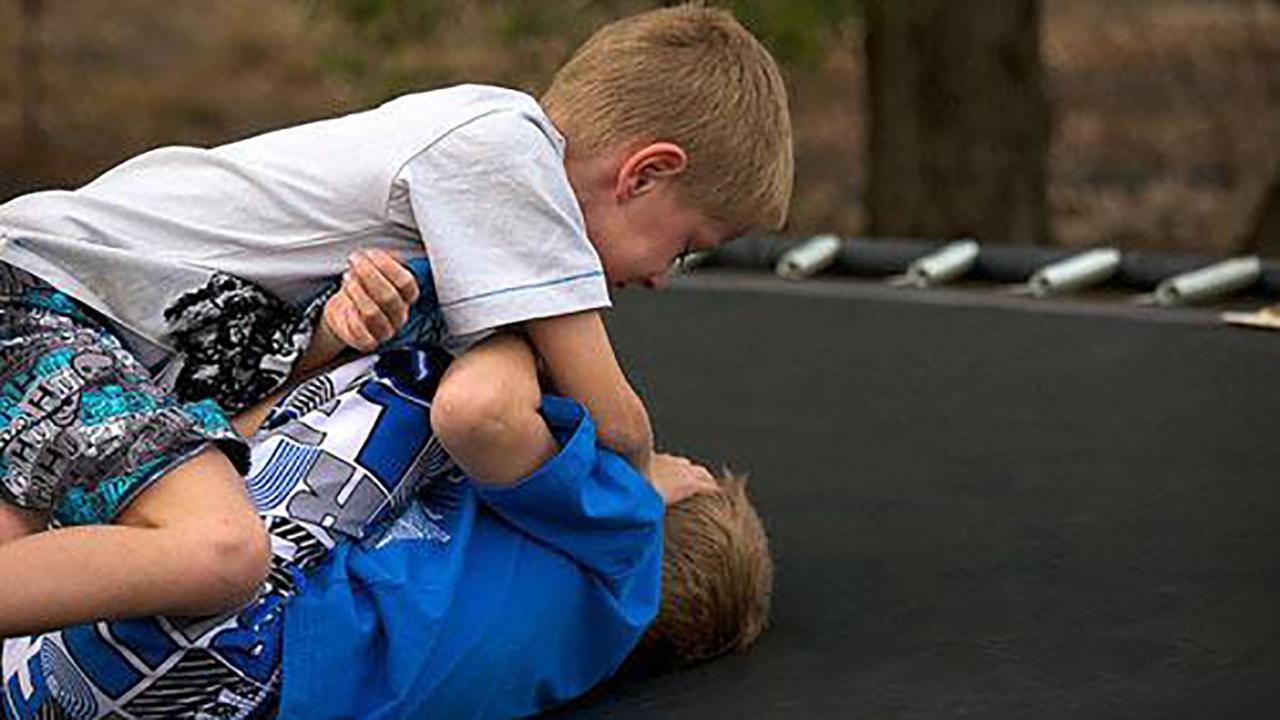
{"x":650,"y":166}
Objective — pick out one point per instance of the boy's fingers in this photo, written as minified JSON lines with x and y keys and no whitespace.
{"x":696,"y":478}
{"x":702,"y":477}
{"x":369,"y":315}
{"x":345,"y":323}
{"x":396,"y":273}
{"x":698,"y":469}
{"x":335,"y":316}
{"x":379,"y":289}
{"x":357,"y":336}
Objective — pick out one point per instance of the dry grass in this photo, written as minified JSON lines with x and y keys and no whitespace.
{"x":120,"y":77}
{"x":1168,"y":120}
{"x":1167,"y":111}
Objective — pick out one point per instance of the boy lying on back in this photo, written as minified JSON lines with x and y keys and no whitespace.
{"x":401,"y":588}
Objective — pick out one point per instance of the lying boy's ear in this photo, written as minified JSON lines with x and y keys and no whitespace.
{"x":650,"y":166}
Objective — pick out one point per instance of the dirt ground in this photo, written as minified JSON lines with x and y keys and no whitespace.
{"x":1166,"y":129}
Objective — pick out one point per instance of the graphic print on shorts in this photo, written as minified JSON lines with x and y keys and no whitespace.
{"x":342,"y":456}
{"x":236,"y":342}
{"x":83,"y":427}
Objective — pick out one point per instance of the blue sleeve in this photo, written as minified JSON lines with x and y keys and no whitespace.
{"x":586,"y":502}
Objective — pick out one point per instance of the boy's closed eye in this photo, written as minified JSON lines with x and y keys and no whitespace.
{"x":685,"y":254}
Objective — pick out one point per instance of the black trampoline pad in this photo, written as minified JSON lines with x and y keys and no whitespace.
{"x":984,"y":509}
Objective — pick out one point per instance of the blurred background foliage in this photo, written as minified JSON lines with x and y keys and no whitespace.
{"x":1165,"y":113}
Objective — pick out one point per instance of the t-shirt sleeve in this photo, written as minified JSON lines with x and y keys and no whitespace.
{"x":503,"y":231}
{"x":586,"y":502}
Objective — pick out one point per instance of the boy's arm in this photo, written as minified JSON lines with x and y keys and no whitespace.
{"x":579,"y":361}
{"x":251,"y":418}
{"x":584,"y":501}
{"x":325,"y":347}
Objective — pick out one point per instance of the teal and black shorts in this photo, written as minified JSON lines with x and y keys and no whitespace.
{"x":84,"y":427}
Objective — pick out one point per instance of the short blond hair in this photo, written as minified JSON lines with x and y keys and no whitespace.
{"x":717,"y":580}
{"x":693,"y":76}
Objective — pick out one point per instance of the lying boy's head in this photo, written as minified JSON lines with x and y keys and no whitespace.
{"x":717,"y":581}
{"x":679,"y":137}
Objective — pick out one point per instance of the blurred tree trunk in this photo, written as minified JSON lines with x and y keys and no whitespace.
{"x":29,"y":67}
{"x":1264,"y":238}
{"x":959,"y":120}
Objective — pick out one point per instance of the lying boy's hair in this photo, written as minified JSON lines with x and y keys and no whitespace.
{"x":693,"y":76}
{"x":717,"y":581}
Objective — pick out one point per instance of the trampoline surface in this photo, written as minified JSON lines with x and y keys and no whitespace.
{"x":980,"y":507}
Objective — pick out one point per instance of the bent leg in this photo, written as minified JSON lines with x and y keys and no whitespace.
{"x":190,"y":544}
{"x":90,"y":439}
{"x":485,"y":412}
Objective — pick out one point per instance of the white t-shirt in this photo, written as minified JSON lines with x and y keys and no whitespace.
{"x":472,"y":175}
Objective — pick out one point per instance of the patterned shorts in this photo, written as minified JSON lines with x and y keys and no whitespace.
{"x":84,"y":427}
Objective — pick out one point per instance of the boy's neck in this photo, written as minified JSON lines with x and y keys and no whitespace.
{"x":594,"y":177}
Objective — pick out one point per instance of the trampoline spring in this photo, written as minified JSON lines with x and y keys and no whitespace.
{"x":1214,"y":281}
{"x":1074,"y":273}
{"x":809,"y":257}
{"x":949,"y":262}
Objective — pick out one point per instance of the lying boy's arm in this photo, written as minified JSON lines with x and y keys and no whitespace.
{"x":247,"y":421}
{"x":485,"y":412}
{"x":585,"y":502}
{"x":372,"y":304}
{"x":581,"y":364}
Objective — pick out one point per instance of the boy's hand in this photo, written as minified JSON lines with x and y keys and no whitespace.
{"x":377,"y":292}
{"x":676,"y":478}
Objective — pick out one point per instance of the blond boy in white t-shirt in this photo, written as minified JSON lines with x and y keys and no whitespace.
{"x":666,"y":133}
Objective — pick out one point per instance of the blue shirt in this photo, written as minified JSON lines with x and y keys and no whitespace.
{"x":429,"y":597}
{"x":496,"y":603}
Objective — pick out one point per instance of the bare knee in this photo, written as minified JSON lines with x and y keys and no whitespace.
{"x":219,"y":545}
{"x":472,"y":414}
{"x":485,"y":412}
{"x":229,"y":557}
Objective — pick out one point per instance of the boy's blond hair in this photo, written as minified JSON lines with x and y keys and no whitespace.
{"x":717,"y":581}
{"x":693,"y":76}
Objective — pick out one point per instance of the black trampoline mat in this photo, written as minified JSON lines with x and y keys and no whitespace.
{"x":989,"y":508}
